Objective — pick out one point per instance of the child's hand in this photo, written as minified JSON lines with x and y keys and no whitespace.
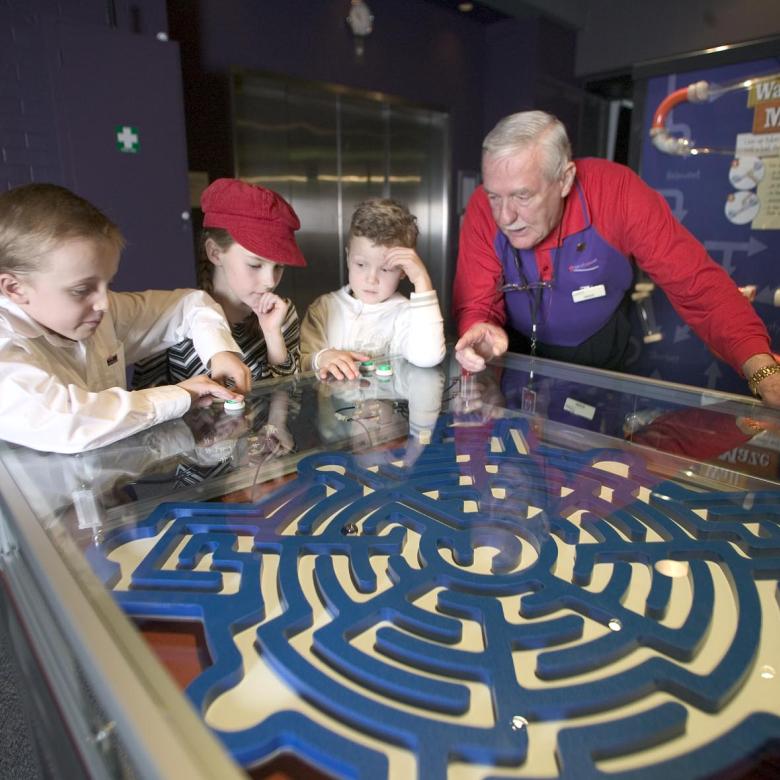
{"x":340,"y":363}
{"x":409,"y":262}
{"x":271,"y":311}
{"x":228,"y":365}
{"x":203,"y":390}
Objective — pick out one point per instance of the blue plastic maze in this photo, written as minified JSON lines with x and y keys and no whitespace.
{"x":482,"y":605}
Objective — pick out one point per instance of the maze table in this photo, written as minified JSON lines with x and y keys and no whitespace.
{"x":485,"y":605}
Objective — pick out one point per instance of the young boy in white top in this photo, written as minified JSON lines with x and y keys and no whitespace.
{"x":65,"y":338}
{"x":369,"y":317}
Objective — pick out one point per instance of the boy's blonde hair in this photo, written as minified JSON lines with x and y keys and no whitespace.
{"x":35,"y":218}
{"x":385,"y":222}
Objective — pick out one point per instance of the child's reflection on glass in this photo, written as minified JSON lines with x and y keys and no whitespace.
{"x":226,"y":440}
{"x":371,"y":411}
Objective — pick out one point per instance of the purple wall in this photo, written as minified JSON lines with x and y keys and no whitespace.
{"x":73,"y":74}
{"x":519,"y":54}
{"x":146,"y":17}
{"x":512,"y":51}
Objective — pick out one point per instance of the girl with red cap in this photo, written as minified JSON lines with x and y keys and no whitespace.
{"x":248,"y":238}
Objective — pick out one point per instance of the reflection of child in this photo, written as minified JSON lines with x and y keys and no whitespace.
{"x":226,"y":441}
{"x":64,"y":337}
{"x":52,"y":482}
{"x":370,"y":407}
{"x":369,"y":317}
{"x":247,"y":240}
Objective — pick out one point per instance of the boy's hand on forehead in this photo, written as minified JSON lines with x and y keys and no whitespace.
{"x":270,"y":310}
{"x":203,"y":390}
{"x":408,"y":261}
{"x":226,"y":366}
{"x":340,"y":363}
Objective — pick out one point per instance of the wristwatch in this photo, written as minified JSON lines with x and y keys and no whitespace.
{"x":757,"y":376}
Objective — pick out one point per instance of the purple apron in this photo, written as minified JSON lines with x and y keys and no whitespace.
{"x":583,"y":260}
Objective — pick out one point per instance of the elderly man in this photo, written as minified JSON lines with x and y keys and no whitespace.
{"x":547,"y":253}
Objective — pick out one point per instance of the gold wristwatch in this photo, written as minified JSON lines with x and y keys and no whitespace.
{"x":761,"y":374}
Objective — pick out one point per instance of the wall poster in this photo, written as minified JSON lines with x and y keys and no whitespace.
{"x":725,"y":188}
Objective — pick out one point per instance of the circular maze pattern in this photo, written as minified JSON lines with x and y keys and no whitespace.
{"x":484,"y":605}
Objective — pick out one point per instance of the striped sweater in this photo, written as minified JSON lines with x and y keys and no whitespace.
{"x":180,"y":362}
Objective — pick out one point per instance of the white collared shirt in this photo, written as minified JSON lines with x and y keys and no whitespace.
{"x":59,"y":395}
{"x":410,"y":327}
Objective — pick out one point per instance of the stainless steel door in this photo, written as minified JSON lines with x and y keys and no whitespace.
{"x":325,"y":149}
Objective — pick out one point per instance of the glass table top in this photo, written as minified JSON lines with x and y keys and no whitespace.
{"x":437,"y":574}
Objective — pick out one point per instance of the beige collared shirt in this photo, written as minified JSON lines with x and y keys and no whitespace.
{"x":59,"y":395}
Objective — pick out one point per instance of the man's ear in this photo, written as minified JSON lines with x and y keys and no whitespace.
{"x":12,"y":288}
{"x":213,"y":252}
{"x":569,"y":172}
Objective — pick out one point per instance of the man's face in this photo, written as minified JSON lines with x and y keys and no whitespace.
{"x":525,"y":204}
{"x":69,"y":294}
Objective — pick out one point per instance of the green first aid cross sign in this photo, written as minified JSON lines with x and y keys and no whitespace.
{"x":127,"y":139}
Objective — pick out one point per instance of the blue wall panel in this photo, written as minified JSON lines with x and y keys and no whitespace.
{"x":700,"y":191}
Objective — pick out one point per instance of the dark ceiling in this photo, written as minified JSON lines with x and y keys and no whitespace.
{"x":568,"y":13}
{"x":481,"y":14}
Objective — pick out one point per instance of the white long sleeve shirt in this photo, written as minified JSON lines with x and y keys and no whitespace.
{"x":412,"y":328}
{"x":59,"y":395}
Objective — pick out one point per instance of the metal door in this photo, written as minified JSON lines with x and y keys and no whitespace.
{"x":325,"y":149}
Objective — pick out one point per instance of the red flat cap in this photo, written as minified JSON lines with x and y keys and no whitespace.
{"x":261,"y":220}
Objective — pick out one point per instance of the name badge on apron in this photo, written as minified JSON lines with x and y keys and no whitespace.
{"x":579,"y":408}
{"x":588,"y":293}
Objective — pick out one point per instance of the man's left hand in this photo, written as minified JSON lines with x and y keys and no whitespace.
{"x":769,"y":387}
